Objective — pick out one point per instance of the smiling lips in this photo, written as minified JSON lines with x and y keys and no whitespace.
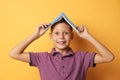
{"x":61,"y":42}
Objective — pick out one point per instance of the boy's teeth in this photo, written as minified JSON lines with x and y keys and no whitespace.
{"x":61,"y":42}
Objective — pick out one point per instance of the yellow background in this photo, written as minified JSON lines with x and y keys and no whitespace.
{"x":19,"y":19}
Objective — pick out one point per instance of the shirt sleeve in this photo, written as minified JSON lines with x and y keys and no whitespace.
{"x":89,"y":59}
{"x":36,"y":58}
{"x":33,"y":59}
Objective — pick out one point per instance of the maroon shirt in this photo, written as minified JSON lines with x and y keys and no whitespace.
{"x":54,"y":66}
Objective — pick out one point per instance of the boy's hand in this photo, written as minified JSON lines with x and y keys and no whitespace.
{"x":83,"y":32}
{"x":104,"y":54}
{"x":40,"y":30}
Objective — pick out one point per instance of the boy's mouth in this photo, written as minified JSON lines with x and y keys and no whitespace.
{"x":61,"y":42}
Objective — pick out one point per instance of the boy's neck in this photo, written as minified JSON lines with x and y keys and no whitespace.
{"x":62,"y":51}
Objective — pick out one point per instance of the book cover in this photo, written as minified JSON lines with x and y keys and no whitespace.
{"x":63,"y":16}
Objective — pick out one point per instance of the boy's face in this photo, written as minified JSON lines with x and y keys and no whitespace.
{"x":61,"y":36}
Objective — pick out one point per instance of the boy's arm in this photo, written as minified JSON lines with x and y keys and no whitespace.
{"x":18,"y":52}
{"x":104,"y":55}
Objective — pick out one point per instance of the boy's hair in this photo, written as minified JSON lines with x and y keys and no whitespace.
{"x":61,"y":21}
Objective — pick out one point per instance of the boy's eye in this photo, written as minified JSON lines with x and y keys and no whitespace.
{"x":66,"y":33}
{"x":56,"y":33}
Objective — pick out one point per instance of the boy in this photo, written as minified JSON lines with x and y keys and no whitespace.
{"x":62,"y":63}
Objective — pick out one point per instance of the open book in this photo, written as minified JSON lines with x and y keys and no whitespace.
{"x":63,"y":16}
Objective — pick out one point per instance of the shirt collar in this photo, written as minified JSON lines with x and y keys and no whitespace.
{"x":69,"y":52}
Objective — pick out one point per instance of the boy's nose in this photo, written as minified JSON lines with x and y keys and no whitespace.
{"x":61,"y":35}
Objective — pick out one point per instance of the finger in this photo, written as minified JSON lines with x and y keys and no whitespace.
{"x":85,"y":28}
{"x":40,"y":26}
{"x":81,"y":28}
{"x":45,"y":25}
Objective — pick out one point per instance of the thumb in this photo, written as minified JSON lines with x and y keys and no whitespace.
{"x":81,"y":28}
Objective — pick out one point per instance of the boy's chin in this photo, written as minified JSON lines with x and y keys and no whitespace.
{"x":62,"y":48}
